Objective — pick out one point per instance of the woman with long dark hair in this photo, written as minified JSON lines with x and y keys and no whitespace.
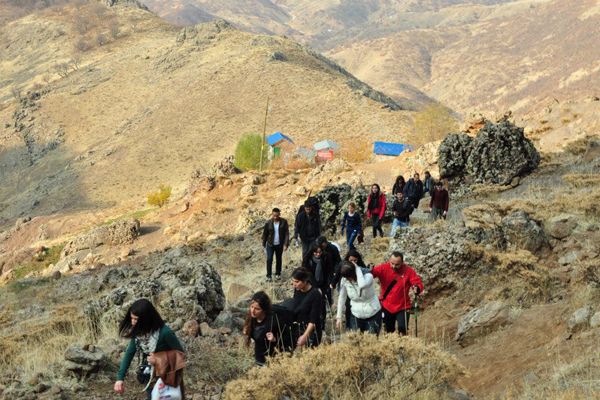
{"x":376,"y":204}
{"x":398,"y":185}
{"x":149,"y":334}
{"x":354,"y":257}
{"x":259,"y":327}
{"x":357,"y":284}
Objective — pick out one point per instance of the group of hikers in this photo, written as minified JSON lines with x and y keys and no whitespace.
{"x":301,"y":320}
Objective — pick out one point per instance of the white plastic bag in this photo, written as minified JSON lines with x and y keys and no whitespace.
{"x":165,"y":392}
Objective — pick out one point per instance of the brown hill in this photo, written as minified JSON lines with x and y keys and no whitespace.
{"x":130,"y":102}
{"x":474,"y":56}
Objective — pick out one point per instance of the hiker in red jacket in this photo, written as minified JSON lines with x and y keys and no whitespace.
{"x":397,"y":280}
{"x":376,"y":208}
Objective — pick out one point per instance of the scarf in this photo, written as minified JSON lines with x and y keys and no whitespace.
{"x":318,"y":270}
{"x":374,"y":201}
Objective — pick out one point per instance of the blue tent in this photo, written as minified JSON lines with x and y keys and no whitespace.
{"x":390,"y":149}
{"x":277,"y":137}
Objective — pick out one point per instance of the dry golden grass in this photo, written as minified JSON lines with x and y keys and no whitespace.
{"x":357,"y":151}
{"x":582,"y":180}
{"x":361,"y":366}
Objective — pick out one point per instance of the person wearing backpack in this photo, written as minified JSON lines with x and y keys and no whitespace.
{"x":148,"y":334}
{"x":307,"y":306}
{"x":352,"y":224}
{"x":397,"y":280}
{"x":275,"y":240}
{"x":357,"y":285}
{"x":414,"y":190}
{"x":376,"y":204}
{"x":264,"y":327}
{"x":402,"y":208}
{"x":308,"y":225}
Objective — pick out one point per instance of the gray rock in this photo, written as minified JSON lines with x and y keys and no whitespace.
{"x":481,"y":321}
{"x":561,"y":226}
{"x":126,"y":3}
{"x":580,"y":319}
{"x":224,"y":320}
{"x":568,"y":258}
{"x":523,"y":232}
{"x":595,"y":320}
{"x":84,"y":361}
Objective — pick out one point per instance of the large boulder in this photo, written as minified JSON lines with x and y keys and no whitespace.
{"x":117,"y":233}
{"x":499,"y":153}
{"x":181,"y":284}
{"x":453,"y":154}
{"x":481,"y":321}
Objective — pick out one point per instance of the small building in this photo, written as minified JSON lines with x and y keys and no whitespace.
{"x":390,"y":149}
{"x":278,"y":142}
{"x":325,"y":150}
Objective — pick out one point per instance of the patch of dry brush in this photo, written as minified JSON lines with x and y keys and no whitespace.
{"x":361,"y":366}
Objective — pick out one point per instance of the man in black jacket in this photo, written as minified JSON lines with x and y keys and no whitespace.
{"x":275,"y":240}
{"x":402,"y":208}
{"x":414,"y":190}
{"x":307,"y":226}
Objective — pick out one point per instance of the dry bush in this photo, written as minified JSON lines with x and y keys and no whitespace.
{"x":361,"y":366}
{"x":582,"y":180}
{"x":579,"y":146}
{"x":358,"y":151}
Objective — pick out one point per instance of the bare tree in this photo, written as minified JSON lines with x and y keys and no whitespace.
{"x":16,"y":93}
{"x":62,"y":69}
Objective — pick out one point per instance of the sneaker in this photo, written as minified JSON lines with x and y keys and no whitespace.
{"x":277,"y":277}
{"x":268,"y":279}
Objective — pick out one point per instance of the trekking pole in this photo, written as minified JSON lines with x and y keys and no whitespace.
{"x":416,"y":312}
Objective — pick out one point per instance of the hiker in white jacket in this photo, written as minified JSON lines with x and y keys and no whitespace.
{"x":365,"y":307}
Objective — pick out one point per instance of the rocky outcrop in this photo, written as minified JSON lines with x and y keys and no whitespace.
{"x":333,"y":202}
{"x":117,"y":233}
{"x":202,"y":34}
{"x":521,"y":231}
{"x":84,"y":360}
{"x":499,"y":153}
{"x":445,"y":258}
{"x":180,"y":283}
{"x":481,"y":321}
{"x":126,"y":3}
{"x":561,"y":226}
{"x":453,"y":154}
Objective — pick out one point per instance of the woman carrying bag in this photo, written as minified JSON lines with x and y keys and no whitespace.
{"x":156,"y":344}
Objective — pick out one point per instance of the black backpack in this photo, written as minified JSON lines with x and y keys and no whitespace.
{"x":284,"y":325}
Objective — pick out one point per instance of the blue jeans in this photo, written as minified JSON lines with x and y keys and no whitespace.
{"x":350,"y":237}
{"x":397,"y":224}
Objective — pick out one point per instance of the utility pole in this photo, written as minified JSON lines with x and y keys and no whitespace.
{"x":262,"y":145}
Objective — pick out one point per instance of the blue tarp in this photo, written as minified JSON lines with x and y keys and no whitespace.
{"x":390,"y":149}
{"x":277,"y":137}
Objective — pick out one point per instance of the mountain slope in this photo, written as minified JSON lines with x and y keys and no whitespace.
{"x":155,"y":104}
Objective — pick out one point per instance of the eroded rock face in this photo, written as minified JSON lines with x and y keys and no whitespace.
{"x":481,"y":321}
{"x":181,"y":284}
{"x":126,"y":3}
{"x":499,"y":153}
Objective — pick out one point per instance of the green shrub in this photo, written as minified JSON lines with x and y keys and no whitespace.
{"x":160,"y":197}
{"x":247,"y":152}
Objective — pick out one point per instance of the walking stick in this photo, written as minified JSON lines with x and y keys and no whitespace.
{"x":416,"y":312}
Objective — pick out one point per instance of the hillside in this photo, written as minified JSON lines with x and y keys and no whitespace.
{"x":473,"y":56}
{"x":146,"y":105}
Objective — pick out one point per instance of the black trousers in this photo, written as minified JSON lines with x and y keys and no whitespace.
{"x":277,"y":251}
{"x":390,"y":320}
{"x":377,"y":225}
